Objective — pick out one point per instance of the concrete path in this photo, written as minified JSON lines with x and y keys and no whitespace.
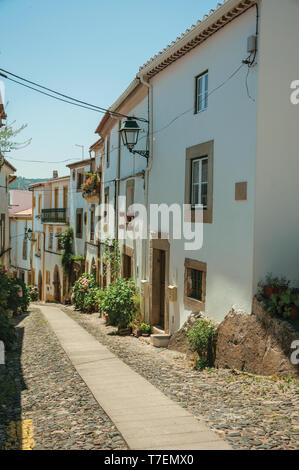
{"x":145,"y":417}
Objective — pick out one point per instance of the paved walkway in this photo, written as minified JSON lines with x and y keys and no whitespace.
{"x":146,"y":418}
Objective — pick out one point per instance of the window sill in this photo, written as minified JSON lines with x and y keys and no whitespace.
{"x":194,"y":304}
{"x":190,"y":216}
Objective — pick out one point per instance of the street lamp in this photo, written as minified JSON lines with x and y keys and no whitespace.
{"x":129,"y":132}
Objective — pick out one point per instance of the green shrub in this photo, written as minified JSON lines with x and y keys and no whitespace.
{"x":145,"y":328}
{"x":32,"y":292}
{"x":82,"y":287}
{"x":98,"y":299}
{"x":90,"y":302}
{"x":118,"y":302}
{"x":202,"y":338}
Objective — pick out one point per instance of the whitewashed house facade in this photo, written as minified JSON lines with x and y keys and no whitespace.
{"x":7,"y":171}
{"x":222,"y":133}
{"x":50,"y":217}
{"x":20,"y":222}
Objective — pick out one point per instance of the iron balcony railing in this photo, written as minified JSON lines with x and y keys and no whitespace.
{"x":57,"y":216}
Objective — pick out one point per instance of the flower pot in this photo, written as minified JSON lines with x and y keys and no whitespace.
{"x":268,"y":291}
{"x":146,"y":335}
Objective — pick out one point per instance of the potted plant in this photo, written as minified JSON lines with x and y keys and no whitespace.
{"x":145,"y":329}
{"x":273,"y":285}
{"x":90,"y":189}
{"x":284,"y":304}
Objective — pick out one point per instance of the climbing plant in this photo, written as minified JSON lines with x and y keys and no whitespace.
{"x":111,"y":258}
{"x":67,"y":244}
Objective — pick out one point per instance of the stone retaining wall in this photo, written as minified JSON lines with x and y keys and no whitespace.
{"x":257,"y":343}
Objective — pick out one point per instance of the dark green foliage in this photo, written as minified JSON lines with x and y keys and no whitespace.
{"x":119,"y":302}
{"x":203,"y":337}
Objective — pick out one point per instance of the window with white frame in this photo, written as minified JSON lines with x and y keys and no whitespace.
{"x":199,"y":182}
{"x":202,"y":92}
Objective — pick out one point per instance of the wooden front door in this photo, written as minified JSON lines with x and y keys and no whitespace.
{"x":158,"y":288}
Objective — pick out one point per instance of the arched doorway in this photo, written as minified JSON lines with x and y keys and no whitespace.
{"x":56,"y":283}
{"x":40,"y":286}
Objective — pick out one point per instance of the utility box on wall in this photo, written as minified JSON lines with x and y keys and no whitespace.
{"x":172,"y":293}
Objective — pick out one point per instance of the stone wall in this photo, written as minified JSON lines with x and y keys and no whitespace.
{"x":257,"y":343}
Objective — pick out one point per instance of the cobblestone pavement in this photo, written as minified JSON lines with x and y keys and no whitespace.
{"x":40,"y":384}
{"x":251,"y":412}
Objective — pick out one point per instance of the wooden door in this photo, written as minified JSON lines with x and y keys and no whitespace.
{"x":158,"y":288}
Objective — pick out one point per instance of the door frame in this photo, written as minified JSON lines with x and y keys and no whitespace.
{"x":163,"y":245}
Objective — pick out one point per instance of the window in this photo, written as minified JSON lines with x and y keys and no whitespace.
{"x":65,"y":189}
{"x":195,"y":284}
{"x":199,"y":182}
{"x":39,"y":204}
{"x":80,"y":179}
{"x":79,"y":223}
{"x":202,"y":92}
{"x":25,"y":249}
{"x":108,"y":153}
{"x":56,"y":198}
{"x":50,"y":246}
{"x":92,"y":223}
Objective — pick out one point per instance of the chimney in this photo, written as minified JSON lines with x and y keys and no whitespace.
{"x":55,"y":174}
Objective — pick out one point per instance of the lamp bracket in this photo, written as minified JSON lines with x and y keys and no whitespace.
{"x":142,"y":153}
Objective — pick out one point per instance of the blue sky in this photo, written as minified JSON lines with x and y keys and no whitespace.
{"x":89,"y":49}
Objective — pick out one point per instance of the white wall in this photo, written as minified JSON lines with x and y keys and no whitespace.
{"x":230,"y":121}
{"x":277,"y":195}
{"x":17,"y":234}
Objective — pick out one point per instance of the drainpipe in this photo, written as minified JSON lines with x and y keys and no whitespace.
{"x":145,"y":274}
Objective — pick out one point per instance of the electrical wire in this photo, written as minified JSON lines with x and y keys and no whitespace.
{"x":80,"y":103}
{"x":230,"y":77}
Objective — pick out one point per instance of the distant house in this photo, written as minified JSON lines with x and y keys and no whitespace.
{"x":20,"y":224}
{"x":50,"y":217}
{"x":7,"y":171}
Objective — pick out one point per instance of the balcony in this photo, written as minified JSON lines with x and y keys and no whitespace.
{"x":53,"y":216}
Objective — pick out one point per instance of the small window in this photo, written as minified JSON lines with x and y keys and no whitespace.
{"x":195,"y":284}
{"x":80,"y":180}
{"x":50,"y":240}
{"x":79,"y":223}
{"x":202,"y":92}
{"x":199,"y":182}
{"x":92,"y":224}
{"x":195,"y":291}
